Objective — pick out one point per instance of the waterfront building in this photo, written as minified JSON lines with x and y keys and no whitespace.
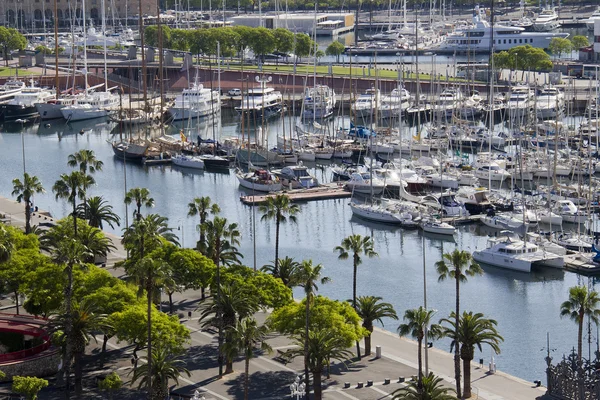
{"x":327,"y":24}
{"x":597,"y":40}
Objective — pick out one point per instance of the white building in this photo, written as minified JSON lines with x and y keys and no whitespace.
{"x":597,"y":40}
{"x":327,"y":24}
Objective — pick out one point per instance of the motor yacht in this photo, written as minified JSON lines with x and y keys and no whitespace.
{"x":262,"y":101}
{"x":395,"y":104}
{"x":589,"y":23}
{"x":520,"y":102}
{"x":319,"y":102}
{"x":510,"y":252}
{"x":358,"y":184}
{"x":296,"y":177}
{"x":474,"y":199}
{"x":550,"y":103}
{"x":196,"y":102}
{"x":546,"y":21}
{"x":437,"y":227}
{"x":91,"y":105}
{"x":22,"y":105}
{"x":186,"y":161}
{"x":366,"y":104}
{"x":447,"y":102}
{"x":492,"y":171}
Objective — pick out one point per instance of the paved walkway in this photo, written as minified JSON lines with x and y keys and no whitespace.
{"x":270,"y":378}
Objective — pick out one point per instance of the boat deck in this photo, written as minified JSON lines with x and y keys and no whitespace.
{"x":322,"y":192}
{"x":575,"y":264}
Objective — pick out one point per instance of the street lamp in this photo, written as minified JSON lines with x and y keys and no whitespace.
{"x":298,"y":388}
{"x":181,"y":228}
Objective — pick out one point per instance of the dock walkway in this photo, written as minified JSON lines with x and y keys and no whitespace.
{"x":399,"y":356}
{"x":322,"y":192}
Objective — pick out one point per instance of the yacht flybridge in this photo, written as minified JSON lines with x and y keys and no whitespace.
{"x":261,"y":101}
{"x":478,"y":38}
{"x":546,"y":21}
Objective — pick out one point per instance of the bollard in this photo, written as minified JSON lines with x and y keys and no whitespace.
{"x":386,"y":381}
{"x":346,"y":385}
{"x":377,"y":351}
{"x":360,"y":385}
{"x":401,"y":379}
{"x":189,"y":314}
{"x":369,"y":383}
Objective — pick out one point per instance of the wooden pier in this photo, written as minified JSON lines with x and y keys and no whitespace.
{"x":322,"y":192}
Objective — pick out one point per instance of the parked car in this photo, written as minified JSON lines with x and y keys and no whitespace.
{"x":234,"y":92}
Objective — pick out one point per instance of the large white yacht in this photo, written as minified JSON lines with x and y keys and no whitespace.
{"x":92,"y":105}
{"x":592,"y":19}
{"x":196,"y":102}
{"x":319,"y":102}
{"x":510,"y":252}
{"x":478,"y":38}
{"x":367,"y":103}
{"x":520,"y":101}
{"x":261,"y":101}
{"x":395,"y":104}
{"x":22,"y":105}
{"x":546,"y":21}
{"x":550,"y":103}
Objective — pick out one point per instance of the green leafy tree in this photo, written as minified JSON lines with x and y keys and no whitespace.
{"x":84,"y":322}
{"x":246,"y":337}
{"x":28,"y":386}
{"x":151,"y":34}
{"x":335,"y":49}
{"x":284,"y":40}
{"x":7,"y":245}
{"x":25,"y":191}
{"x":581,"y":303}
{"x":86,"y":161}
{"x":287,"y":269}
{"x":203,"y":42}
{"x":473,"y":330}
{"x":266,"y":291}
{"x":371,"y":309}
{"x":525,"y":58}
{"x":191,"y":270}
{"x":227,"y":39}
{"x":558,"y":46}
{"x":356,"y":245}
{"x":180,"y":39}
{"x":263,"y":42}
{"x":579,"y":42}
{"x":431,"y":389}
{"x":304,"y":45}
{"x":130,"y":325}
{"x":244,"y":39}
{"x":111,"y":383}
{"x":279,"y":209}
{"x":141,"y":197}
{"x":417,"y":323}
{"x":146,"y":235}
{"x":202,"y":207}
{"x":97,"y":211}
{"x":457,"y":265}
{"x":164,"y":367}
{"x":11,"y":39}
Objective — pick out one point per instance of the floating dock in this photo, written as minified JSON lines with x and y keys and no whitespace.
{"x":581,"y":264}
{"x":323,"y":192}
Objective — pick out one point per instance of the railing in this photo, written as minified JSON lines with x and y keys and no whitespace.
{"x":19,"y":355}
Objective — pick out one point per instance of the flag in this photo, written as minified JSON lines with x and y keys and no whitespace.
{"x":182,"y":136}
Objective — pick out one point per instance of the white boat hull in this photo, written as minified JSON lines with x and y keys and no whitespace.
{"x":439,"y":229}
{"x":376,"y":214}
{"x":188,"y":162}
{"x":49,"y":110}
{"x":179,"y":114}
{"x":258,"y":187}
{"x":83,"y":114}
{"x":501,"y":261}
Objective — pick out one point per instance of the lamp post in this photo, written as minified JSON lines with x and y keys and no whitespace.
{"x":181,"y":228}
{"x":298,"y":389}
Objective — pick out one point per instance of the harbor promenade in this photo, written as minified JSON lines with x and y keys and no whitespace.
{"x":270,"y":376}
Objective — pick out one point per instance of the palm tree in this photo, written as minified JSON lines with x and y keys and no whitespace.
{"x":69,"y":187}
{"x":323,"y":346}
{"x":417,"y":323}
{"x":24,"y":192}
{"x":222,"y":239}
{"x":97,"y":210}
{"x":287,"y":270}
{"x":457,"y":265}
{"x":147,"y":272}
{"x":232,"y":304}
{"x":581,"y":303}
{"x":145,"y":234}
{"x":280,"y":209}
{"x":85,"y":323}
{"x":371,"y":309}
{"x":309,"y":277}
{"x":141,"y":197}
{"x":247,"y":335}
{"x":86,"y":160}
{"x":431,"y":389}
{"x":159,"y":370}
{"x":202,"y":206}
{"x":473,"y":330}
{"x":357,"y":245}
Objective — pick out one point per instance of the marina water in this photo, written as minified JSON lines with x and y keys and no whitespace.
{"x":526,"y":306}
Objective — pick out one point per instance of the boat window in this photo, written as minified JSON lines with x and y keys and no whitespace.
{"x":530,"y":40}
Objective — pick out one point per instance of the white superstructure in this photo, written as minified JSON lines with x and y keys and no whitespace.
{"x":92,"y":105}
{"x":196,"y":102}
{"x":261,"y":101}
{"x":395,"y":104}
{"x":592,"y":19}
{"x":546,"y":21}
{"x":319,"y":102}
{"x":549,"y":103}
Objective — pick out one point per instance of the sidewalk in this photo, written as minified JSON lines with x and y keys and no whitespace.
{"x":270,"y":378}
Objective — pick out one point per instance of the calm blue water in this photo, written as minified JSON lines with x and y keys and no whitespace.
{"x":526,"y":306}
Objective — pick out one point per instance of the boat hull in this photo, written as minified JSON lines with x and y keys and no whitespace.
{"x":49,"y":111}
{"x":502,"y":262}
{"x":12,"y":112}
{"x":179,"y":114}
{"x":83,"y":114}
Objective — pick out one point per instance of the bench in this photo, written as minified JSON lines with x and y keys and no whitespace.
{"x":284,"y":356}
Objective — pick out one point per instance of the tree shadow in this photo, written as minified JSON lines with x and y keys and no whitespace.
{"x":201,"y":357}
{"x":262,"y":385}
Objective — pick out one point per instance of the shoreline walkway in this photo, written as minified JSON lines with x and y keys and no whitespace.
{"x":271,"y":378}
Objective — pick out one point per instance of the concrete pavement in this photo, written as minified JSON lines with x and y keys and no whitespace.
{"x":270,"y":377}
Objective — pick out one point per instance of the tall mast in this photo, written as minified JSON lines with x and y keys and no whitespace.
{"x":144,"y":83}
{"x":56,"y":83}
{"x":85,"y":50}
{"x":104,"y":39}
{"x":160,"y":58}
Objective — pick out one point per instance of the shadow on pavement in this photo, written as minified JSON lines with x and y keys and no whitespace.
{"x":262,"y":385}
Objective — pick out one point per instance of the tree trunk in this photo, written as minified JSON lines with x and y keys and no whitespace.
{"x":202,"y":293}
{"x":317,"y":385}
{"x":467,"y":378}
{"x":420,"y":359}
{"x":246,"y":378}
{"x":170,"y":303}
{"x":306,"y":355}
{"x":457,"y":345}
{"x":17,"y":301}
{"x":368,"y":344}
{"x":78,"y":372}
{"x":277,"y":244}
{"x":149,"y":301}
{"x":68,"y":329}
{"x":138,"y":215}
{"x":228,"y":366}
{"x":27,"y":217}
{"x":104,"y":342}
{"x":354,"y":299}
{"x":579,"y":337}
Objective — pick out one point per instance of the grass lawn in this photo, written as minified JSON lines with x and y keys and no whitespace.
{"x":7,"y":71}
